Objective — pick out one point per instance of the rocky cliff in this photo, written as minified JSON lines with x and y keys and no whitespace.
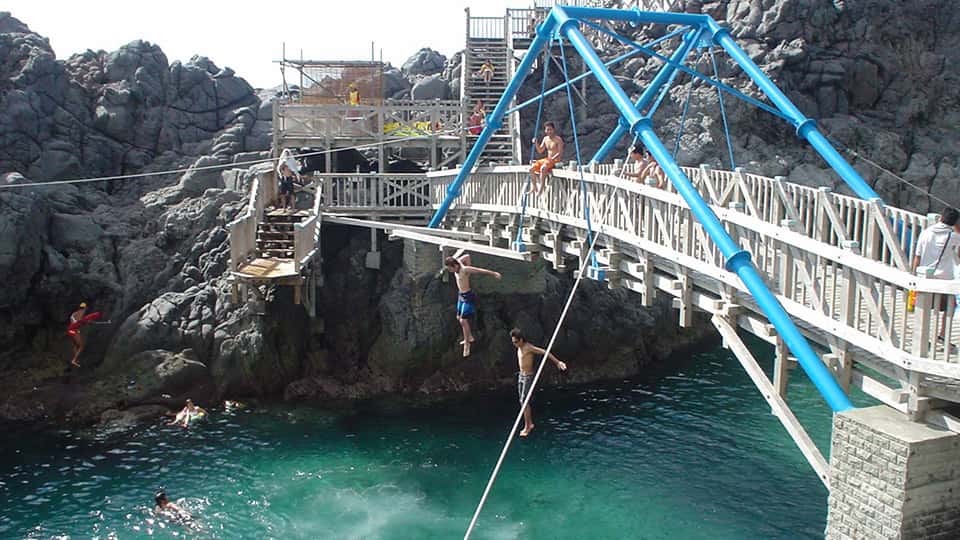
{"x":152,"y":253}
{"x":880,"y":78}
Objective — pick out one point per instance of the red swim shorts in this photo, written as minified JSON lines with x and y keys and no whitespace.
{"x":545,"y":164}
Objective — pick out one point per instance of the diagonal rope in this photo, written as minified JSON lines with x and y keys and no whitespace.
{"x":693,"y":73}
{"x":536,"y":132}
{"x":235,"y":165}
{"x":546,"y":354}
{"x":576,"y":145}
{"x":723,"y":111}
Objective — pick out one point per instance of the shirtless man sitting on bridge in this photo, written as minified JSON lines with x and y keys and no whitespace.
{"x":525,"y":354}
{"x":552,"y":146}
{"x":459,"y":266}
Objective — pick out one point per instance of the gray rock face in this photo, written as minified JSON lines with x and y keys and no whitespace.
{"x":395,"y":85}
{"x":875,"y":75}
{"x":430,"y":88}
{"x":426,"y":61}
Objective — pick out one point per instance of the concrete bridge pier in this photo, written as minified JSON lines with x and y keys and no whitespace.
{"x":891,"y":478}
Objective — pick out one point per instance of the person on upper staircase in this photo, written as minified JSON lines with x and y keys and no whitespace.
{"x":552,"y":146}
{"x":486,"y":71}
{"x":459,"y":266}
{"x":477,"y":118}
{"x":525,"y":359}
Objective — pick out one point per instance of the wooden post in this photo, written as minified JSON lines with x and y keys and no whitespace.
{"x":781,"y":368}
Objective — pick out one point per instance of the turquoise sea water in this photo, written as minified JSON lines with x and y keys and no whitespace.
{"x":688,"y":452}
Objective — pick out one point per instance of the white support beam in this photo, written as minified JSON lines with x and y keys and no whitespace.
{"x":780,"y":408}
{"x":476,"y":248}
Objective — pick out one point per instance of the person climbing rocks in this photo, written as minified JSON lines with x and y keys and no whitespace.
{"x":552,"y":146}
{"x":77,"y":319}
{"x":459,"y":266}
{"x":526,"y":361}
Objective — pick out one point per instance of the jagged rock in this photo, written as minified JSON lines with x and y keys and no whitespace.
{"x":395,"y":85}
{"x":426,"y":61}
{"x":430,"y":88}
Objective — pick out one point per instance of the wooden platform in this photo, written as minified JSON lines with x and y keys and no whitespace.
{"x":267,"y":269}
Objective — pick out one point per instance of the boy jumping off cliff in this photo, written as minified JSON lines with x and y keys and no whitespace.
{"x":525,"y":358}
{"x":459,"y":266}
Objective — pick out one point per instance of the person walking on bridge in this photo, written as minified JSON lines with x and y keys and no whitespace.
{"x":938,"y":249}
{"x":459,"y":266}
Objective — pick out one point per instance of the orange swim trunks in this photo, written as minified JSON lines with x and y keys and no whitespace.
{"x":546,"y":164}
{"x":71,"y":332}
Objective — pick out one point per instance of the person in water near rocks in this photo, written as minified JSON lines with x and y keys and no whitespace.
{"x":188,"y":413}
{"x":459,"y":266}
{"x":525,"y":358}
{"x":168,"y":509}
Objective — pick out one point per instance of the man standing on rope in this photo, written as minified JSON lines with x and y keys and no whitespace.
{"x":525,"y":358}
{"x":552,"y":146}
{"x":459,"y":266}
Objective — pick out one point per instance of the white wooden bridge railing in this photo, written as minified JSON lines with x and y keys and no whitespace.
{"x":803,"y":240}
{"x":243,"y":230}
{"x":306,"y":237}
{"x":373,"y":192}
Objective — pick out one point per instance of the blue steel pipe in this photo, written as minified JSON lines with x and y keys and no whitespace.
{"x":494,"y":119}
{"x":806,"y":127}
{"x":636,"y":16}
{"x":737,"y":260}
{"x":663,"y":76}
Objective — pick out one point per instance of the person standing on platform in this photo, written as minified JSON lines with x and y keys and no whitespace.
{"x":459,"y":266}
{"x":287,"y":174}
{"x":353,"y":96}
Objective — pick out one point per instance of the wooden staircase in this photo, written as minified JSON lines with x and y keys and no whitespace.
{"x":488,"y":41}
{"x":275,"y":233}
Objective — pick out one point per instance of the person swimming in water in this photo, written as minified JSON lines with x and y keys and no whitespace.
{"x":170,"y":510}
{"x":188,"y":413}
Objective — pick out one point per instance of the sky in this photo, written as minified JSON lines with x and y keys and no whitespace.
{"x":250,"y":39}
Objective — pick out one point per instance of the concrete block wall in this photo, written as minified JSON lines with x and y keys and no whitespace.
{"x":891,"y":478}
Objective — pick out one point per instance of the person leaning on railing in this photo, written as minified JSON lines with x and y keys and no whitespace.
{"x":645,"y":167}
{"x":938,"y":249}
